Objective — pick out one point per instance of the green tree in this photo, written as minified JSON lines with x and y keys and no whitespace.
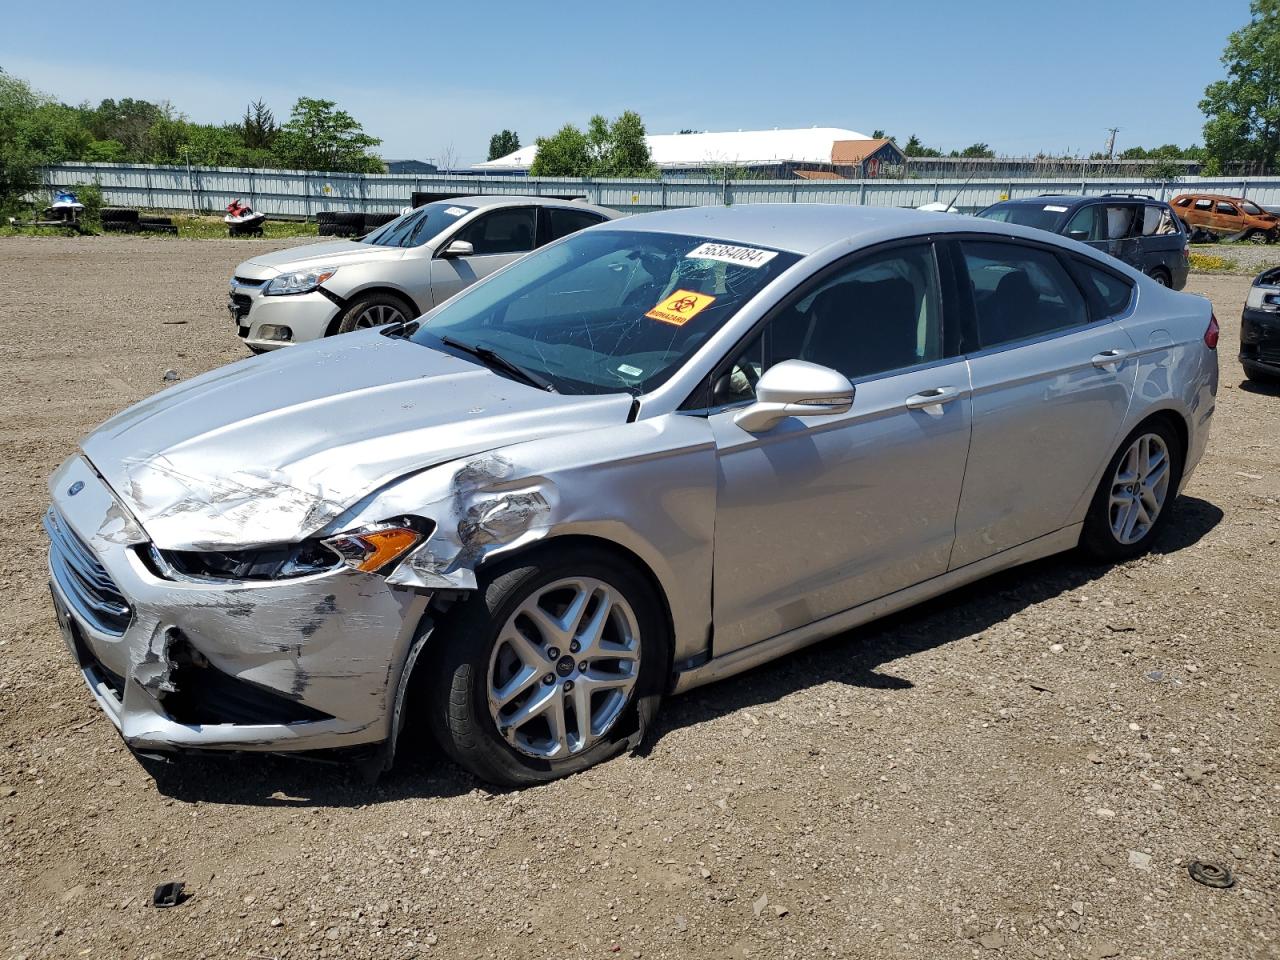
{"x":1242,"y":112}
{"x":258,"y":127}
{"x":977,"y":150}
{"x":915,"y":148}
{"x":503,"y":143}
{"x":34,"y":132}
{"x":565,"y":154}
{"x":606,"y":149}
{"x":620,"y":147}
{"x":319,"y":136}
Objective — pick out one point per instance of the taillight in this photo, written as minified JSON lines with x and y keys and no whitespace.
{"x":1211,"y":334}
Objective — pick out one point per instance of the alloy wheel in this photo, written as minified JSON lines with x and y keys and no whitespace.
{"x":1139,"y":488}
{"x":563,"y":668}
{"x":378,"y":314}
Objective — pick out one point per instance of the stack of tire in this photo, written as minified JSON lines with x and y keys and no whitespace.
{"x":119,"y":220}
{"x":335,"y":223}
{"x":372,"y":221}
{"x":157,"y":225}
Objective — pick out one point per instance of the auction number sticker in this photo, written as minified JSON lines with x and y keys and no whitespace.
{"x":455,"y":211}
{"x":681,"y":307}
{"x":727,"y":253}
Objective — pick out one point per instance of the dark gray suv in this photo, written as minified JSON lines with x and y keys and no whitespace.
{"x":1140,"y":230}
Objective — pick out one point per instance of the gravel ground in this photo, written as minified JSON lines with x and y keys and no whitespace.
{"x":1249,"y":258}
{"x":1021,"y":769}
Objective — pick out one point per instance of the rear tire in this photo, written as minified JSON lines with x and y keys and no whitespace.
{"x":375,"y":310}
{"x":472,"y":661}
{"x":1161,"y":276}
{"x":1136,"y":493}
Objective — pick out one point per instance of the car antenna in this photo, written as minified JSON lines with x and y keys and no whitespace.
{"x":952,"y":204}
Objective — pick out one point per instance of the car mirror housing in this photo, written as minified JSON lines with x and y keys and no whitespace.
{"x":1078,"y":234}
{"x":458,"y":248}
{"x":795,"y":388}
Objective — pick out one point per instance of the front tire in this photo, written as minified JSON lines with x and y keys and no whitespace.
{"x":541,"y":671}
{"x":1135,"y":496}
{"x":376,"y":310}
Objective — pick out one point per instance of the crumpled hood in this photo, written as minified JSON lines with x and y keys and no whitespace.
{"x":273,"y":448}
{"x":332,"y":253}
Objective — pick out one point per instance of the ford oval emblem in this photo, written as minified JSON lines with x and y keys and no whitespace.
{"x":75,"y":488}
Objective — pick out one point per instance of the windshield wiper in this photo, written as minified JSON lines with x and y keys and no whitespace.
{"x":492,"y":359}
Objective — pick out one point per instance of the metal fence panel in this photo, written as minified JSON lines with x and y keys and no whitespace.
{"x":298,"y":194}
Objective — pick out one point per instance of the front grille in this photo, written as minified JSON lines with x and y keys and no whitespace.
{"x":242,"y":300}
{"x":247,"y":282}
{"x":84,"y":580}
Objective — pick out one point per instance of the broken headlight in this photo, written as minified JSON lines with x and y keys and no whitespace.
{"x":368,"y":549}
{"x":377,"y":547}
{"x":262,"y":563}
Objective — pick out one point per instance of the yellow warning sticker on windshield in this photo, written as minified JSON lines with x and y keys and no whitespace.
{"x":681,"y":307}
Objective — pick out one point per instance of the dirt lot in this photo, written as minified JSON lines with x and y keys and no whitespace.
{"x":1021,"y":769}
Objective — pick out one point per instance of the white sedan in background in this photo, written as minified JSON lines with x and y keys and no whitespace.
{"x":396,"y":273}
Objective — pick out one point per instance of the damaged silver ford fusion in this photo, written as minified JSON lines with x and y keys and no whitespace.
{"x":509,"y":514}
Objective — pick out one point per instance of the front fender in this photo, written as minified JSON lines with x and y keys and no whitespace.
{"x":392,"y":276}
{"x":648,"y":486}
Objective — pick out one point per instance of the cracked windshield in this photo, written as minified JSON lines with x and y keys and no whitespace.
{"x":608,"y":311}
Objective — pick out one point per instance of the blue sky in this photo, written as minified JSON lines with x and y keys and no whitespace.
{"x":1022,"y":75}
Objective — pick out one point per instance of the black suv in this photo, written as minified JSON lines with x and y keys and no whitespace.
{"x":1260,"y":328}
{"x":1140,"y":230}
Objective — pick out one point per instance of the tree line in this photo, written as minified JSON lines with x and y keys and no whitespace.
{"x":36,"y":131}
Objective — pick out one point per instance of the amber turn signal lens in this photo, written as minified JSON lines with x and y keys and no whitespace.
{"x":371,"y":550}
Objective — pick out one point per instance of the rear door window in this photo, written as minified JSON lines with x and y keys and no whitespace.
{"x":1204,"y":204}
{"x":1122,"y":221}
{"x":1020,"y":292}
{"x":1227,"y":208}
{"x":1114,"y":293}
{"x":564,"y":222}
{"x":1158,"y":221}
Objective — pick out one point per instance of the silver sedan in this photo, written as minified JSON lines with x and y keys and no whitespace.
{"x":400,"y":270}
{"x":656,"y":453}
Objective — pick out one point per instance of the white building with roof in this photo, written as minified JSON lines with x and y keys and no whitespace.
{"x":786,"y":151}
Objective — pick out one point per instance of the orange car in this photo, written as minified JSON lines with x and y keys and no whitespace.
{"x":1232,"y":218}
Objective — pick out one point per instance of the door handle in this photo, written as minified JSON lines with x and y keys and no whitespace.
{"x":934,"y":397}
{"x":1109,"y":358}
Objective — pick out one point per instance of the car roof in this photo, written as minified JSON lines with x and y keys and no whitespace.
{"x":806,"y":228}
{"x":1076,"y":200}
{"x":514,"y":200}
{"x":1214,"y":196}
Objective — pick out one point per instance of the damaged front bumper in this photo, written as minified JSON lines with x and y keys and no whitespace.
{"x":300,"y":664}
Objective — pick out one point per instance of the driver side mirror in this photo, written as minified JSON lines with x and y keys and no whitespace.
{"x":795,"y":388}
{"x":1078,"y":234}
{"x":459,"y":248}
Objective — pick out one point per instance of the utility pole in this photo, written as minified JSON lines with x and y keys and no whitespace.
{"x":1111,"y":142}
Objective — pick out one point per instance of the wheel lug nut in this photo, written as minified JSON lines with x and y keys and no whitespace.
{"x":553,"y":653}
{"x":568,"y":685}
{"x":582,"y":667}
{"x":549,"y":679}
{"x":573,"y":647}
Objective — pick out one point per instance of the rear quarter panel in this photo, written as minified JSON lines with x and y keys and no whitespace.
{"x":1176,"y":370}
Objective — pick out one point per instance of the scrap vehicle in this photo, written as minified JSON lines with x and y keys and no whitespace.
{"x":653,"y":454}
